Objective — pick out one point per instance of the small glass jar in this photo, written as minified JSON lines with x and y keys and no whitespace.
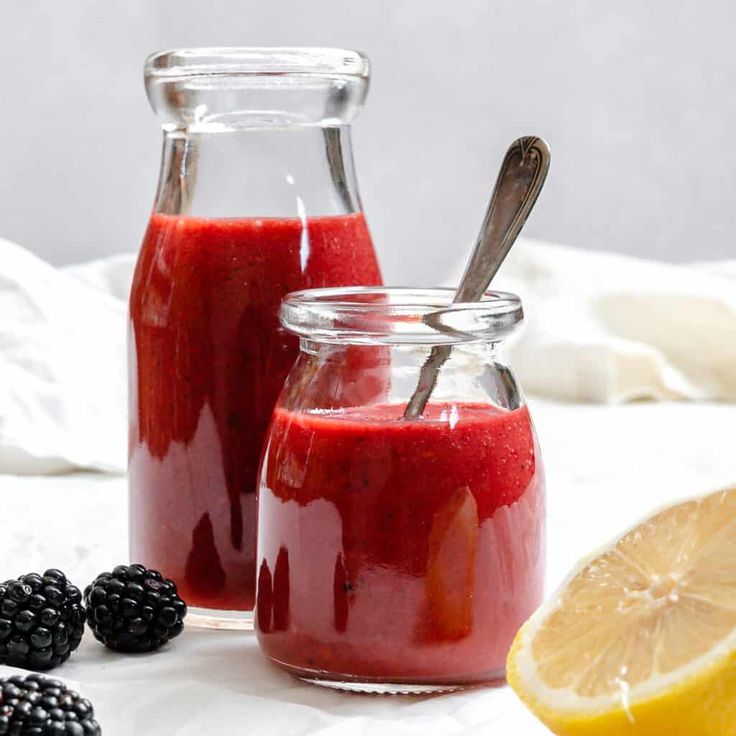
{"x":395,"y":554}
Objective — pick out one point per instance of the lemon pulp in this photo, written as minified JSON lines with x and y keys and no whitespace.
{"x":639,"y":631}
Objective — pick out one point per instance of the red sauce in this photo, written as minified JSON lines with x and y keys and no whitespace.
{"x":401,"y":551}
{"x":208,"y":359}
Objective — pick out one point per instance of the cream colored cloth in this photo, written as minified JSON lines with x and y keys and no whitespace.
{"x":62,"y":367}
{"x":600,"y":328}
{"x":608,"y":328}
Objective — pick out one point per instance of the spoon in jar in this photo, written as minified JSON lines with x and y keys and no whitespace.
{"x":520,"y":179}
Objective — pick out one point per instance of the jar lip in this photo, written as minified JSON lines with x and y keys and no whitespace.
{"x":257,"y":61}
{"x":399,"y":315}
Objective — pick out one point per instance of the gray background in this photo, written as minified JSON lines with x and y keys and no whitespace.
{"x":637,"y":100}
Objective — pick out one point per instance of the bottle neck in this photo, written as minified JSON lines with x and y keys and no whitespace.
{"x":299,"y":171}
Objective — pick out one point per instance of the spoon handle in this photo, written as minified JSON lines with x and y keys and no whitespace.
{"x":520,"y":179}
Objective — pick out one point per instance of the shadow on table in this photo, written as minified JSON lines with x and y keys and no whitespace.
{"x":234,"y":661}
{"x":212,"y":679}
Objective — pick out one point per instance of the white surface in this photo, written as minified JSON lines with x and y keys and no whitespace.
{"x":606,"y":467}
{"x":636,"y":99}
{"x":601,"y":328}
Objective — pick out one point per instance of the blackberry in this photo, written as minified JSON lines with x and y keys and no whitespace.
{"x":36,"y":705}
{"x":41,"y":620}
{"x":133,"y":609}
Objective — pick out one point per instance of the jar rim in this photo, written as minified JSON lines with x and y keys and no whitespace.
{"x":399,"y":316}
{"x":257,"y":61}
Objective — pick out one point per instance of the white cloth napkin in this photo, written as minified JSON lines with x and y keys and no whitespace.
{"x":62,"y":366}
{"x":609,"y":328}
{"x":600,"y":328}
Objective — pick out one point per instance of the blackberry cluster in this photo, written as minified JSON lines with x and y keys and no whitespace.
{"x":133,"y":609}
{"x":38,"y":706}
{"x":41,"y":620}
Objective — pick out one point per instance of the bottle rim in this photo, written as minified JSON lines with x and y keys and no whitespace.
{"x":399,"y":316}
{"x":232,"y":61}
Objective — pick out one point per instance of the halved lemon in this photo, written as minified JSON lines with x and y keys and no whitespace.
{"x":641,"y":638}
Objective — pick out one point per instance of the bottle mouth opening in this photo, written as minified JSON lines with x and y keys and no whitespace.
{"x":211,"y":90}
{"x":257,"y":61}
{"x":399,"y":316}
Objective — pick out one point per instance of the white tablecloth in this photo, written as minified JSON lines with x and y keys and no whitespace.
{"x":606,"y":467}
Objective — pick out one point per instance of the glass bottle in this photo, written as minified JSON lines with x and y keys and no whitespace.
{"x":257,"y":197}
{"x":394,"y":554}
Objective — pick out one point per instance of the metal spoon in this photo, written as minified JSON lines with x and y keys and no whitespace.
{"x":520,"y":179}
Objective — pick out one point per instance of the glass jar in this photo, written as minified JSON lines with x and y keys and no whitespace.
{"x":394,"y":554}
{"x":257,"y":197}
